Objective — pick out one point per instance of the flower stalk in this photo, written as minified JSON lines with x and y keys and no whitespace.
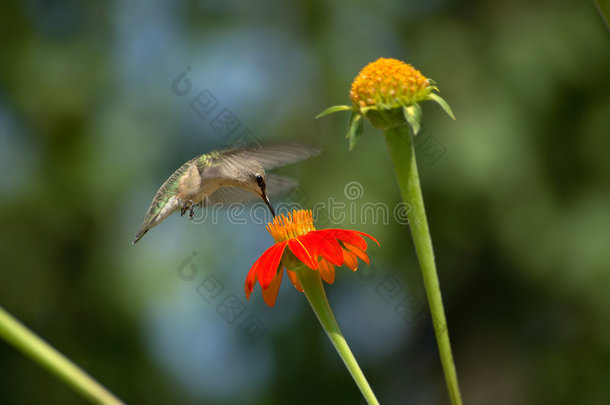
{"x":310,"y":256}
{"x":400,"y":146}
{"x":15,"y":333}
{"x":387,"y":93}
{"x":314,"y":291}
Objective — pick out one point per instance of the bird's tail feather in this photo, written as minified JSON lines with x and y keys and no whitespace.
{"x":139,"y":235}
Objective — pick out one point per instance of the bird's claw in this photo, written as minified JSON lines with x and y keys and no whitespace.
{"x":187,"y":204}
{"x":191,"y":212}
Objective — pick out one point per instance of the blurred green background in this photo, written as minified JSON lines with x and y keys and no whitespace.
{"x":517,"y":192}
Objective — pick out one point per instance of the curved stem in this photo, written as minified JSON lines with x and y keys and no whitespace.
{"x":604,"y":10}
{"x":400,"y":145}
{"x":314,"y":291}
{"x":40,"y":351}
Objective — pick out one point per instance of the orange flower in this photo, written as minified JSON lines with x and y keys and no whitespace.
{"x":320,"y":250}
{"x":389,"y":83}
{"x":387,"y":92}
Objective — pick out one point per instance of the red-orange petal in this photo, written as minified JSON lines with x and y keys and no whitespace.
{"x":270,"y":293}
{"x":295,"y":281}
{"x":350,"y":259}
{"x":358,"y":252}
{"x":250,"y":281}
{"x":302,"y":252}
{"x":351,"y":237}
{"x":266,"y":266}
{"x":327,"y":270}
{"x":325,"y":245}
{"x":248,"y":290}
{"x":368,"y":236}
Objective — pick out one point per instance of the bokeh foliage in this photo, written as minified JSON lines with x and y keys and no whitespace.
{"x":518,"y":203}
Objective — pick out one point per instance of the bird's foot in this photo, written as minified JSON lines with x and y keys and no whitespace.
{"x":187,"y":204}
{"x":191,"y":212}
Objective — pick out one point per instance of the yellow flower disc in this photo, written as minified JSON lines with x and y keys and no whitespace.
{"x":299,"y":222}
{"x":389,"y":83}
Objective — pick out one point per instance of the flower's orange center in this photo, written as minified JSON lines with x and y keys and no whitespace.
{"x":389,"y":83}
{"x":299,"y":222}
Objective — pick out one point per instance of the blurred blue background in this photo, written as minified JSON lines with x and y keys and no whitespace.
{"x":517,"y":191}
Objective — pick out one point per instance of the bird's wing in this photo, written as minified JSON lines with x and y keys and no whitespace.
{"x":228,"y":195}
{"x":276,"y":186}
{"x":273,"y":156}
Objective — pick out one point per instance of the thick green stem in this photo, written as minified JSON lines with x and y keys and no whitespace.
{"x":604,"y":10}
{"x":314,"y":291}
{"x":31,"y":345}
{"x":400,"y":145}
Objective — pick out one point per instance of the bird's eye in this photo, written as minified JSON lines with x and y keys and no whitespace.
{"x":259,"y":180}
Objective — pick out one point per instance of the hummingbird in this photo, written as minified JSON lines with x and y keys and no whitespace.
{"x":225,"y":176}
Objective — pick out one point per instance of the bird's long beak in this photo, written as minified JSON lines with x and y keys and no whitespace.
{"x":266,"y":200}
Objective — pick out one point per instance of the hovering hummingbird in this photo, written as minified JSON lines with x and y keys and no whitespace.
{"x":233,"y":175}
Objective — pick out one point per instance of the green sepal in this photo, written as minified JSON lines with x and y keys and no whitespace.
{"x":413,"y":115}
{"x":335,"y":108}
{"x":354,"y":129}
{"x":439,"y":100}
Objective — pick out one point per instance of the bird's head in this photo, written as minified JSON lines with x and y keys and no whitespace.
{"x":253,"y":179}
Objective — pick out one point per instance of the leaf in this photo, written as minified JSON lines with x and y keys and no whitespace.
{"x":354,"y":129}
{"x":439,"y":100}
{"x":333,"y":109}
{"x":413,"y":115}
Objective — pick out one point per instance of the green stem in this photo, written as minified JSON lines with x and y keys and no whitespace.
{"x":400,"y":145}
{"x":31,"y":345}
{"x":314,"y":291}
{"x":604,"y":10}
